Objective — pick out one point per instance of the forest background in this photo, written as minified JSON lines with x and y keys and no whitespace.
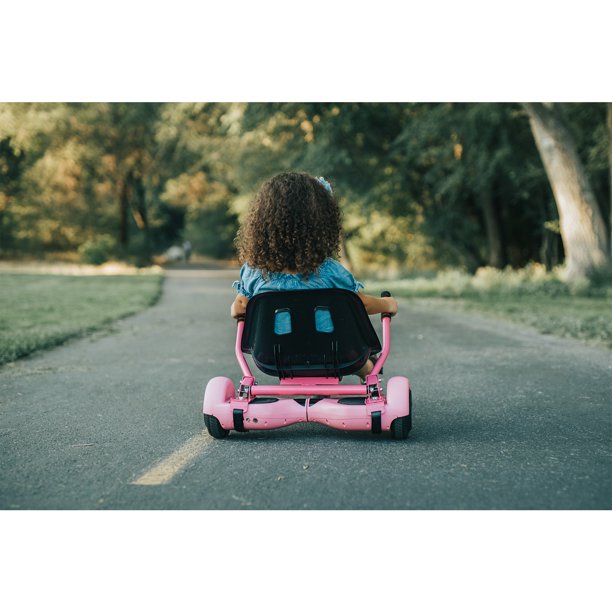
{"x":423,"y":186}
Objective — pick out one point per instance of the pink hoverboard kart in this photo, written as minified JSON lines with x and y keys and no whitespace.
{"x":309,"y":339}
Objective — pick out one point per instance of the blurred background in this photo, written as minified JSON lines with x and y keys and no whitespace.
{"x":423,"y":187}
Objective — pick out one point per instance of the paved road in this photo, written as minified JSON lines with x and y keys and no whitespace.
{"x":505,"y":418}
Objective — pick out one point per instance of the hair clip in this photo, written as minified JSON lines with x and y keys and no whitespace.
{"x":325,"y":184}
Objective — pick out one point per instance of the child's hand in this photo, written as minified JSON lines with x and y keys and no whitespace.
{"x":238,"y":308}
{"x":378,"y":305}
{"x":390,"y":305}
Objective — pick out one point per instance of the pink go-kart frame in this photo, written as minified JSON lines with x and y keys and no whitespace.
{"x":309,"y":339}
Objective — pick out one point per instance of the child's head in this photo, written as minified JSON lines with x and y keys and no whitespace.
{"x":293,"y":224}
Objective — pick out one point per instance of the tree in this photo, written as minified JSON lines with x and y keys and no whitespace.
{"x":125,"y":136}
{"x":11,"y":166}
{"x":199,"y":145}
{"x":421,"y":185}
{"x":609,"y":122}
{"x":86,"y":171}
{"x":581,"y":221}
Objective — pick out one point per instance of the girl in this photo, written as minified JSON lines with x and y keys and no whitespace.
{"x":289,"y":240}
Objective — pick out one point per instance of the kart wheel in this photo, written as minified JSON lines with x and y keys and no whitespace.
{"x":214,"y":427}
{"x":400,"y":428}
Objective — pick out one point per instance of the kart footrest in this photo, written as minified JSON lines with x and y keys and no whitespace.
{"x":239,"y":419}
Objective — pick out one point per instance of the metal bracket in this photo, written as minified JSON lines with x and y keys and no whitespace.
{"x":373,"y":386}
{"x":244,"y":390}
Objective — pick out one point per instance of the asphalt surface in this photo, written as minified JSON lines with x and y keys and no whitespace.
{"x":505,"y":418}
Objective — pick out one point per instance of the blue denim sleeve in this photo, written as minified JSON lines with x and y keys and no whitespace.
{"x":339,"y":276}
{"x":249,"y":279}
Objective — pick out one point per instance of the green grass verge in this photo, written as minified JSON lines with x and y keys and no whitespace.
{"x":529,"y":296}
{"x":41,"y":311}
{"x":585,"y":318}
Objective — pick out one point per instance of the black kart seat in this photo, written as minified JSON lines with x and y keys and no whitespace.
{"x":308,"y":332}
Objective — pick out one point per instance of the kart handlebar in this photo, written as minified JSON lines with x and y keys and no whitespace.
{"x":385,"y":315}
{"x":385,"y":318}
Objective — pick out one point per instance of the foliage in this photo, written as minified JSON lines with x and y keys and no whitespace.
{"x":212,"y":231}
{"x":422,"y":186}
{"x":533,"y":279}
{"x":460,"y":177}
{"x":97,"y":250}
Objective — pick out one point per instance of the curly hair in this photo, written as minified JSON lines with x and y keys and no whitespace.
{"x":293,"y":225}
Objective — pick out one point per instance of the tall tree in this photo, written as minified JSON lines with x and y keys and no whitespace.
{"x":199,"y":145}
{"x":581,"y":222}
{"x":609,"y":121}
{"x":11,"y":167}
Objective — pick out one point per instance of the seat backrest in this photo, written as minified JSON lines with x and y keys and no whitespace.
{"x":308,"y":332}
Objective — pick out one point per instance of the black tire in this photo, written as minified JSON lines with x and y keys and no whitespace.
{"x":214,"y":427}
{"x":400,"y":428}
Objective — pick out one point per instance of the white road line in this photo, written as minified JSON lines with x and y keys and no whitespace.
{"x":166,"y":469}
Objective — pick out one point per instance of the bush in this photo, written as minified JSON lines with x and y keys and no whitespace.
{"x":533,"y":279}
{"x":530,"y":280}
{"x":97,"y":250}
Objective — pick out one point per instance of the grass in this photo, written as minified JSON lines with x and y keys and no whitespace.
{"x":39,"y":311}
{"x":530,"y":296}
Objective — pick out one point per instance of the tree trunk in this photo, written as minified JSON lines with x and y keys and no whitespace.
{"x":610,"y":171}
{"x":582,"y":227}
{"x":142,"y":218}
{"x":124,"y":203}
{"x":495,"y":246}
{"x":551,"y":251}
